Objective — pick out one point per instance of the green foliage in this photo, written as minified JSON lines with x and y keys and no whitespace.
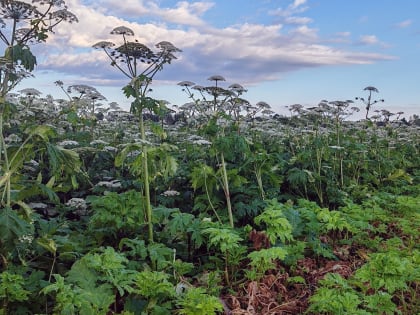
{"x":12,"y":288}
{"x":331,"y":301}
{"x":277,"y":225}
{"x":21,"y":54}
{"x":155,"y":288}
{"x":108,"y":266}
{"x":116,"y":214}
{"x":264,"y":260}
{"x":222,"y":238}
{"x":160,"y":161}
{"x":195,"y":301}
{"x":313,"y":190}
{"x":388,"y":271}
{"x":12,"y":229}
{"x":92,"y":282}
{"x":332,"y":220}
{"x":381,"y":303}
{"x":160,"y":255}
{"x":71,"y":299}
{"x":154,"y":284}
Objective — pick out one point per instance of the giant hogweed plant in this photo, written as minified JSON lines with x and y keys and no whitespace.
{"x":22,"y":24}
{"x":84,"y":106}
{"x":221,"y":110}
{"x":139,"y":64}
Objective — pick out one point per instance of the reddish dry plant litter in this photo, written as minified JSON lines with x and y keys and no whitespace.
{"x":274,"y":294}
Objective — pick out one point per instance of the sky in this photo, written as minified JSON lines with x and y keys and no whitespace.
{"x":283,"y":52}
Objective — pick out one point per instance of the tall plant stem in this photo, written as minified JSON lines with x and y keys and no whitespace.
{"x":3,"y":150}
{"x":209,"y":199}
{"x":226,"y":189}
{"x":149,"y":217}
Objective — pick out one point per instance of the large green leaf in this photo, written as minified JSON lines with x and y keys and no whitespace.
{"x":12,"y":228}
{"x":62,"y":159}
{"x":23,"y":55}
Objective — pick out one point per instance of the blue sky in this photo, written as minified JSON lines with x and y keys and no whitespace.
{"x":283,"y":51}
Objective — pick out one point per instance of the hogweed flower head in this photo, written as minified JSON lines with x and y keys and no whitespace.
{"x":103,"y":44}
{"x":30,"y":92}
{"x":64,"y":15}
{"x":237,"y":88}
{"x":186,"y":83}
{"x":170,"y":193}
{"x":18,"y":10}
{"x":126,"y":57}
{"x":216,"y":78}
{"x":135,"y":50}
{"x":122,"y":30}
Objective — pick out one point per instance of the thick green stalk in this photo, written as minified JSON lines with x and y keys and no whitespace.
{"x":6,"y":169}
{"x":226,"y":189}
{"x":149,"y":216}
{"x":146,"y":182}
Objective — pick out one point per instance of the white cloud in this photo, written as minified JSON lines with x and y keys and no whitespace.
{"x":368,"y":40}
{"x":297,"y":20}
{"x":297,"y":3}
{"x":184,"y":12}
{"x":246,"y":53}
{"x":288,"y":15}
{"x":404,"y":24}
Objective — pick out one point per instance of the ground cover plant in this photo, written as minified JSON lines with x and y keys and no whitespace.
{"x":218,"y":206}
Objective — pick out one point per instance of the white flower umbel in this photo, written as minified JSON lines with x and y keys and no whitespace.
{"x":98,"y":142}
{"x":109,"y":184}
{"x":170,"y":193}
{"x":201,"y":142}
{"x":68,"y":143}
{"x":78,"y":203}
{"x":110,"y":149}
{"x":13,"y":138}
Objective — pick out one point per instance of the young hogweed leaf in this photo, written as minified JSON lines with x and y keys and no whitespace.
{"x":225,"y":239}
{"x":264,"y":259}
{"x":179,"y":223}
{"x":12,"y":287}
{"x":277,"y":225}
{"x":154,"y":284}
{"x":387,"y":271}
{"x":160,"y":255}
{"x":196,"y":301}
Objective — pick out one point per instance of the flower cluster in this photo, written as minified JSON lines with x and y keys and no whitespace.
{"x":28,"y":239}
{"x":109,"y":184}
{"x":68,"y":143}
{"x":78,"y":203}
{"x":170,"y":193}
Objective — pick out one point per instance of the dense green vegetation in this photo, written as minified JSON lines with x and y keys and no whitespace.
{"x":213,"y":207}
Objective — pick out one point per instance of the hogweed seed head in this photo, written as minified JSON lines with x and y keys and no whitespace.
{"x":216,"y":78}
{"x":186,"y":83}
{"x":122,"y":30}
{"x":64,"y":15}
{"x":18,"y":10}
{"x":103,"y":44}
{"x":137,"y":51}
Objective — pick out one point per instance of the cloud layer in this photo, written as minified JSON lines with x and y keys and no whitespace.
{"x":244,"y":53}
